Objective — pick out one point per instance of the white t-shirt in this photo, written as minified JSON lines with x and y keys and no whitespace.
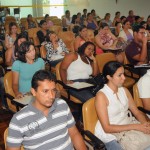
{"x":79,"y":70}
{"x":144,"y":85}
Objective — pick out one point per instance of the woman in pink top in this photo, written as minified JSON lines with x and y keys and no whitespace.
{"x":48,"y":21}
{"x":81,"y":38}
{"x":106,"y":40}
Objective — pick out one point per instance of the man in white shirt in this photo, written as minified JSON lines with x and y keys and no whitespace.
{"x":144,"y":89}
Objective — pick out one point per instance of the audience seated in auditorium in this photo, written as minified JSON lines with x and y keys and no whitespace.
{"x":148,"y":23}
{"x":78,"y":67}
{"x":106,"y":40}
{"x":137,"y":21}
{"x":126,"y":34}
{"x":118,"y":28}
{"x":12,"y":53}
{"x":76,"y":23}
{"x":107,"y":19}
{"x":11,"y":36}
{"x":84,"y":15}
{"x":117,"y":18}
{"x":90,"y":22}
{"x":144,"y":24}
{"x":114,"y":105}
{"x":66,"y":20}
{"x":56,"y":49}
{"x":81,"y":38}
{"x":79,"y":19}
{"x":48,"y":21}
{"x":43,"y":32}
{"x":24,"y":68}
{"x":30,"y":22}
{"x":131,"y":17}
{"x":123,"y":19}
{"x":47,"y":120}
{"x":95,"y":16}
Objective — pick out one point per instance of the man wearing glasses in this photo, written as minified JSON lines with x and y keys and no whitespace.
{"x":136,"y":51}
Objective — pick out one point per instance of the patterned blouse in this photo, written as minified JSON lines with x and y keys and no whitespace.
{"x":106,"y":39}
{"x":31,"y":25}
{"x":55,"y":54}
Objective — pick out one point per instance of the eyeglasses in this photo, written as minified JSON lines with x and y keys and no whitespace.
{"x":143,"y":33}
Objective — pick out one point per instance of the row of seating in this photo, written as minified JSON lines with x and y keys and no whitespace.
{"x":89,"y":114}
{"x":54,"y":19}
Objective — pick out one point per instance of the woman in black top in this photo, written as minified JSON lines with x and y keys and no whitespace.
{"x":43,"y":33}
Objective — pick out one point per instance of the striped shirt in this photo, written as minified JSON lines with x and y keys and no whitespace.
{"x":30,"y":128}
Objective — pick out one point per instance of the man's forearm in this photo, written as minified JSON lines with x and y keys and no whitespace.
{"x":144,"y":52}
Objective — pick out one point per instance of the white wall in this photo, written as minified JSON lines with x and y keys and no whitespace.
{"x":23,"y":11}
{"x":140,"y":7}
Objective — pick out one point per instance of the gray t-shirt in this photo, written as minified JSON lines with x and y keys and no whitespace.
{"x":30,"y":128}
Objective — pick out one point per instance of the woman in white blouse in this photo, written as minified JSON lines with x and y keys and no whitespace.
{"x":126,"y":34}
{"x":56,"y":49}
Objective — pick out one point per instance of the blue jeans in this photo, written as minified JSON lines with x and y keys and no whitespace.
{"x":113,"y":145}
{"x":148,"y":148}
{"x":55,"y":62}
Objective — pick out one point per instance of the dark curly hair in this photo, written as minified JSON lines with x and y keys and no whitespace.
{"x":23,"y":49}
{"x":20,"y":36}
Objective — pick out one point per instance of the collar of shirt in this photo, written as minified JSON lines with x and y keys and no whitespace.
{"x":34,"y":109}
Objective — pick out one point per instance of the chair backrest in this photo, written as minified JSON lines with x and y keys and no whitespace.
{"x":102,"y":59}
{"x":56,"y":29}
{"x":36,"y":41}
{"x":126,"y":61}
{"x":10,"y":18}
{"x":32,"y":32}
{"x":9,"y":90}
{"x":68,"y":38}
{"x":53,"y":17}
{"x":89,"y":115}
{"x":43,"y":51}
{"x":38,"y":19}
{"x":23,"y":22}
{"x":5,"y":138}
{"x":136,"y":97}
{"x":57,"y":21}
{"x":58,"y":77}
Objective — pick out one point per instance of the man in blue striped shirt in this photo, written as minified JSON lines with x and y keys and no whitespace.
{"x":46,"y":123}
